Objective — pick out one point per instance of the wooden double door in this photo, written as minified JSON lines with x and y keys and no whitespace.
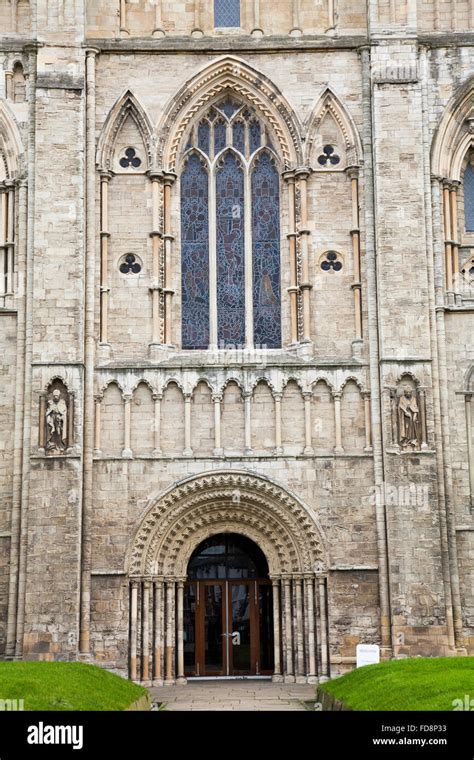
{"x":228,"y":628}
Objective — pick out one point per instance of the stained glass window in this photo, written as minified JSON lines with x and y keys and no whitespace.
{"x":255,"y":136}
{"x":239,"y":136}
{"x":225,"y":128}
{"x":204,"y":137}
{"x":266,"y":253}
{"x":195,"y":255}
{"x":230,"y":252}
{"x":220,"y":136}
{"x":226,"y":12}
{"x":469,"y":198}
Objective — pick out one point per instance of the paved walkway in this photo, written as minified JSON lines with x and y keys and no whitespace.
{"x":234,"y":695}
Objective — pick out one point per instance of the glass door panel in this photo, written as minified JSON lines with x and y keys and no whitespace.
{"x":241,"y":618}
{"x":213,"y":628}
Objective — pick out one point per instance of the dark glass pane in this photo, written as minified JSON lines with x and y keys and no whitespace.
{"x":204,"y":137}
{"x":227,"y":556}
{"x":226,"y":12}
{"x":230,"y":252}
{"x":195,"y":255}
{"x":255,"y":136}
{"x":220,"y":136}
{"x":239,"y":136}
{"x":265,"y":604}
{"x":229,"y":106}
{"x":213,"y":639}
{"x":240,"y":644}
{"x":266,"y":253}
{"x":469,"y":198}
{"x":189,"y":628}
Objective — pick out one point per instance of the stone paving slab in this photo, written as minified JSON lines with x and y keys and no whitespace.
{"x":234,"y":696}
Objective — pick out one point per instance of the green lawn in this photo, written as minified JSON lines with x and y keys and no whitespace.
{"x":411,"y":684}
{"x":66,"y":686}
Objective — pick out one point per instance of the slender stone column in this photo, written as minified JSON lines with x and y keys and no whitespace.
{"x":448,"y":249}
{"x":10,"y":240}
{"x":156,"y":236}
{"x":305,"y":286}
{"x":9,"y":85}
{"x":296,"y":29}
{"x":293,"y":289}
{"x":123,"y":17}
{"x":218,"y":450}
{"x":471,"y":14}
{"x":97,"y":426}
{"x":300,"y":671}
{"x":309,"y":593}
{"x":368,"y":422}
{"x":323,"y":629}
{"x":89,"y":355}
{"x":289,"y":675}
{"x":3,"y":244}
{"x":157,"y":425}
{"x":169,"y":652}
{"x":168,"y":181}
{"x":331,"y":16}
{"x":158,"y":31}
{"x":470,"y":452}
{"x":180,"y":601}
{"x":133,"y":631}
{"x":338,"y":424}
{"x":158,"y":634}
{"x":188,"y":452}
{"x":278,"y":446}
{"x":277,"y":677}
{"x":424,"y":432}
{"x":197,"y":31}
{"x":257,"y":30}
{"x":353,"y":174}
{"x":41,"y":424}
{"x":104,"y":263}
{"x":308,"y":449}
{"x":146,"y":587}
{"x":453,"y":206}
{"x":127,"y":409}
{"x":248,"y":423}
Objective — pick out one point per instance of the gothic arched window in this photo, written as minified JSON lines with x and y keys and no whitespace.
{"x":226,"y":13}
{"x":230,"y":232}
{"x":469,"y":198}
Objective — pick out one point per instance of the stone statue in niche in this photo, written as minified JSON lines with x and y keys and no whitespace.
{"x":408,"y":414}
{"x":56,"y":423}
{"x":56,"y":419}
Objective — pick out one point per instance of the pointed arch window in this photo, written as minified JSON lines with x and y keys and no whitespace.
{"x":230,"y":232}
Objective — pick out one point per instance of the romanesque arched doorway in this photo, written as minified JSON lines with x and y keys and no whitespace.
{"x":260,"y":530}
{"x":228,"y":610}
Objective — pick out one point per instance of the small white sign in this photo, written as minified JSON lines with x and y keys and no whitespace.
{"x":368,"y":654}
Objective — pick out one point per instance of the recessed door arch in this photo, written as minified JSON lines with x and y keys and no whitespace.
{"x":228,"y":619}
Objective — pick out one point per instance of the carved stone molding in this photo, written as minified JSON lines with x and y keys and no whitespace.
{"x":226,"y":501}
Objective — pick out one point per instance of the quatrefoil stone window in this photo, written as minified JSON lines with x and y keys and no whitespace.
{"x":331,"y":262}
{"x":130,"y":159}
{"x":130,"y":265}
{"x":329,"y":157}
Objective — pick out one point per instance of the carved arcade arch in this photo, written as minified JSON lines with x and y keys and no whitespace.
{"x":126,"y":106}
{"x":229,"y":73}
{"x":11,"y":147}
{"x":330,"y":104}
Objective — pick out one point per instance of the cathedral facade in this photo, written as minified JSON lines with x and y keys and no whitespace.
{"x":236,"y":329}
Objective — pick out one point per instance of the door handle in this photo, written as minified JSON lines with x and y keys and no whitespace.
{"x":235,"y":638}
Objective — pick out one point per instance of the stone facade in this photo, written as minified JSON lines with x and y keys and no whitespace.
{"x":347,"y":454}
